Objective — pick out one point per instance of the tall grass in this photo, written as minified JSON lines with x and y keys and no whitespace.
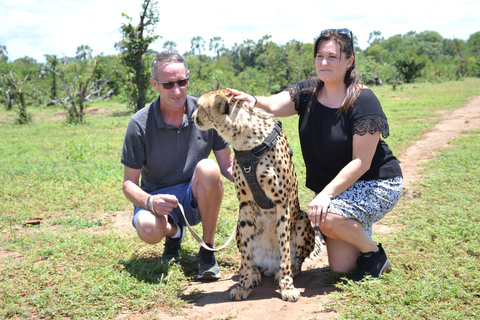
{"x":78,"y":263}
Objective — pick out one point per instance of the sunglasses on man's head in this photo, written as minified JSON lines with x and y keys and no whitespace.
{"x":170,"y":84}
{"x":345,"y":32}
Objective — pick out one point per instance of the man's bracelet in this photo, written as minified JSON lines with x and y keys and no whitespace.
{"x":152,"y":209}
{"x":148,"y":203}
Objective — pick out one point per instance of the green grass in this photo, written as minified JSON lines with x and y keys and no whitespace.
{"x":436,"y":253}
{"x":414,"y":109}
{"x":79,"y":264}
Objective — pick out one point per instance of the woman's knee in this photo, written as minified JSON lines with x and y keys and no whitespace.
{"x":335,"y":224}
{"x":342,"y":256}
{"x":325,"y":229}
{"x":329,"y":225}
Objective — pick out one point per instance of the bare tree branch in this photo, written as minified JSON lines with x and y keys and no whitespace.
{"x":25,"y":79}
{"x":72,"y":110}
{"x":9,"y":99}
{"x":13,"y":77}
{"x":82,"y":88}
{"x":33,"y":91}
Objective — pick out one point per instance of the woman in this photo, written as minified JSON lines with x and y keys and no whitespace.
{"x":355,"y":177}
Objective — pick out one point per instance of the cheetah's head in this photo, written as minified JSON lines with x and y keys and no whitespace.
{"x":241,"y":127}
{"x":214,"y":110}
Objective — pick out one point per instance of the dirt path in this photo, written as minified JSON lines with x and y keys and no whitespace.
{"x":265,"y":301}
{"x":452,"y":125}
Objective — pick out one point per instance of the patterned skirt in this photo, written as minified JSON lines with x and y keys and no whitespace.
{"x":368,"y":201}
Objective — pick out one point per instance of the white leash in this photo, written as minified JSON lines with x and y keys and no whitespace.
{"x":200,"y":240}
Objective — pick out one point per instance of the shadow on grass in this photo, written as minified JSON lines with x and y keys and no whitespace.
{"x":148,"y":268}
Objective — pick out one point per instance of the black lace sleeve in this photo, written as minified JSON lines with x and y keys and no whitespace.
{"x":371,"y":124}
{"x":301,"y":93}
{"x":294,"y":95}
{"x":368,"y":116}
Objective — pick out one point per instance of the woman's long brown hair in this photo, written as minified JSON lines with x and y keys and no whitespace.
{"x":352,"y":76}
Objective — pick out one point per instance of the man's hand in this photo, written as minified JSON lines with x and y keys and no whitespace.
{"x":163,"y":204}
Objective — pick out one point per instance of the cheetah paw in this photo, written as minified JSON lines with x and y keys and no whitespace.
{"x":239,"y":293}
{"x":256,"y":278}
{"x":290,"y":295}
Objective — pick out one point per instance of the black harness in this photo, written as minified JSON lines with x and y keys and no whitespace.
{"x":248,"y":160}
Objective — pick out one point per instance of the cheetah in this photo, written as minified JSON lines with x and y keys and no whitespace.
{"x":274,"y":237}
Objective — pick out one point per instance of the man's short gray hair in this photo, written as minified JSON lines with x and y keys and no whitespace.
{"x":168,"y":56}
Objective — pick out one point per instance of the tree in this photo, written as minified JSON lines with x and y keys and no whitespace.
{"x":235,"y":58}
{"x":248,"y":53}
{"x":4,"y":68}
{"x":31,"y":72}
{"x":81,"y":88}
{"x":84,"y":52}
{"x":375,"y":37}
{"x":52,"y":63}
{"x":197,"y":43}
{"x":3,"y":53}
{"x":409,"y":65}
{"x":22,"y":100}
{"x":377,"y":52}
{"x":473,"y":44}
{"x":170,"y":45}
{"x":393,"y":44}
{"x":216,"y":45}
{"x":430,"y":44}
{"x":133,"y":46}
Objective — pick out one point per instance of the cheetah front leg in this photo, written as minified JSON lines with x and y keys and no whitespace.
{"x":285,"y":279}
{"x":249,"y":275}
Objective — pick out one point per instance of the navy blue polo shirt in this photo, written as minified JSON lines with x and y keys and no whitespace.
{"x":166,"y":155}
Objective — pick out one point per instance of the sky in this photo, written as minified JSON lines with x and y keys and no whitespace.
{"x":34,"y":28}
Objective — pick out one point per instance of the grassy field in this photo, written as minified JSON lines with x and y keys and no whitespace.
{"x":79,"y":263}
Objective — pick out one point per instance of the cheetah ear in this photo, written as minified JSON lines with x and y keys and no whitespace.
{"x":227,"y":107}
{"x":222,"y":104}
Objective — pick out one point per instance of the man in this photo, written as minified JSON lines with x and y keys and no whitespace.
{"x":165,"y":148}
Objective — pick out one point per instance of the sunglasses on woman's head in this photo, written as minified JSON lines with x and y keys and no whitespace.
{"x":345,"y":32}
{"x":170,"y":84}
{"x":339,"y":31}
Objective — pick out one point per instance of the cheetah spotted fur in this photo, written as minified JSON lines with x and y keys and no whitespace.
{"x":273,"y":242}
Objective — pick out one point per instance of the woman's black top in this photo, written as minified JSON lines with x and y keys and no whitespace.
{"x":326,"y":136}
